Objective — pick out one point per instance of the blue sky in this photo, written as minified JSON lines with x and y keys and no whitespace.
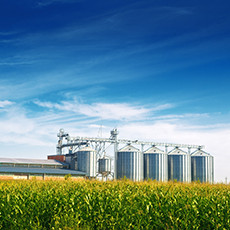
{"x":156,"y":70}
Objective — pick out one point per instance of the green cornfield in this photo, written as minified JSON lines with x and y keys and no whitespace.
{"x":113,"y":205}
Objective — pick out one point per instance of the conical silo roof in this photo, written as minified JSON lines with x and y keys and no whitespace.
{"x":129,"y":148}
{"x":200,"y":152}
{"x":177,"y":151}
{"x":154,"y":149}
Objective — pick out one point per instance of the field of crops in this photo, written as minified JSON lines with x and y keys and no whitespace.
{"x":113,"y":205}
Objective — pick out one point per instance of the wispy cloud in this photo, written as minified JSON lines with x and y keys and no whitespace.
{"x":16,"y":63}
{"x":182,"y":116}
{"x":7,"y":33}
{"x":5,"y":103}
{"x":75,"y":110}
{"x":18,"y":128}
{"x":50,"y":2}
{"x":114,"y":111}
{"x":162,"y":107}
{"x":106,"y":111}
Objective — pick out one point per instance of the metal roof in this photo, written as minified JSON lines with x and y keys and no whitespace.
{"x":40,"y":171}
{"x":177,"y":151}
{"x":129,"y":148}
{"x":200,"y":152}
{"x":30,"y":161}
{"x":154,"y":149}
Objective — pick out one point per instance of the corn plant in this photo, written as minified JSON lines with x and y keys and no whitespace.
{"x":113,"y":205}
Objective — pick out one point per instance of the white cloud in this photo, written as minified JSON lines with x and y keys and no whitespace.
{"x":105,"y":111}
{"x":114,"y":111}
{"x":22,"y":130}
{"x":180,"y":116}
{"x":162,"y":107}
{"x":17,"y":128}
{"x":5,"y":103}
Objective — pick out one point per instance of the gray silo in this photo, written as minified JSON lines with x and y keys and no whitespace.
{"x":155,"y":164}
{"x":71,"y":159}
{"x":179,"y":165}
{"x":104,"y":165}
{"x":128,"y":163}
{"x":86,"y":161}
{"x":202,"y":166}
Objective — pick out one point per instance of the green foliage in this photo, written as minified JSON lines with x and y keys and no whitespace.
{"x":67,"y":176}
{"x":149,"y":180}
{"x":113,"y":205}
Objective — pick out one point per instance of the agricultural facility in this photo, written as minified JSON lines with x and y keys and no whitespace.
{"x":132,"y":159}
{"x":135,"y":160}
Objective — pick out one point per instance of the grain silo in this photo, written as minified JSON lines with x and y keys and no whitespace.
{"x":155,"y":164}
{"x":202,"y":166}
{"x":128,"y":163}
{"x":104,"y":165}
{"x":179,"y":165}
{"x":86,"y":161}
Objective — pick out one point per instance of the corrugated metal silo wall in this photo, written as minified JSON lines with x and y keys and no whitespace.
{"x":86,"y":162}
{"x":128,"y":165}
{"x":155,"y":166}
{"x":104,"y":165}
{"x":179,"y":167}
{"x":202,"y":168}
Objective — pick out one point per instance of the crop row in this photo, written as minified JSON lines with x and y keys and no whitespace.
{"x":113,"y":205}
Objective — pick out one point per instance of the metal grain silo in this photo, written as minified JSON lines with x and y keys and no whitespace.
{"x":104,"y":165}
{"x":86,"y":161}
{"x":179,"y":165}
{"x":202,"y":166}
{"x":155,"y":164}
{"x":128,"y":163}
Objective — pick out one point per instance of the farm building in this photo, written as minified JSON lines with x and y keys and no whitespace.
{"x":16,"y":168}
